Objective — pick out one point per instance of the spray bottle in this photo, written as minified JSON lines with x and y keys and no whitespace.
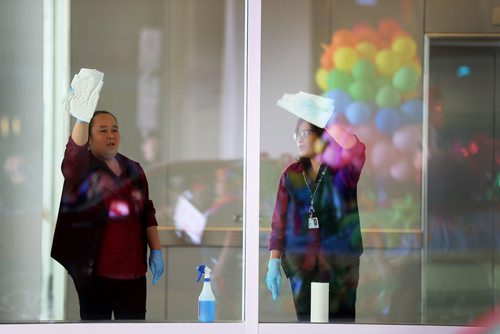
{"x":206,"y":300}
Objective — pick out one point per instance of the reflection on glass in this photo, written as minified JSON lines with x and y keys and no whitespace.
{"x":315,"y":233}
{"x":174,"y":80}
{"x":462,"y":192}
{"x":366,"y":56}
{"x":440,"y":268}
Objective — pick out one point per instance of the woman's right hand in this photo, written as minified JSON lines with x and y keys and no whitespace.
{"x":273,"y":278}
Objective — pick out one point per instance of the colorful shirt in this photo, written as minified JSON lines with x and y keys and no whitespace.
{"x":335,"y":206}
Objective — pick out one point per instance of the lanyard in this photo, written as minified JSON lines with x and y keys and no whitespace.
{"x":313,"y":193}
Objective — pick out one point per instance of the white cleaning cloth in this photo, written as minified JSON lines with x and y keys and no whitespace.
{"x":82,"y":98}
{"x":312,"y":108}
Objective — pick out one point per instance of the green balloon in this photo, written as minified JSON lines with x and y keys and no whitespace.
{"x":361,"y":91}
{"x":388,"y":96}
{"x":364,"y":70}
{"x":382,"y":81}
{"x":405,"y":79}
{"x":339,"y":79}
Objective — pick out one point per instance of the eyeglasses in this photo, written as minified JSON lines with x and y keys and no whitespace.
{"x":302,"y":134}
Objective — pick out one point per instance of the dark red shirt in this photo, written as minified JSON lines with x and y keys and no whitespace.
{"x":128,"y":211}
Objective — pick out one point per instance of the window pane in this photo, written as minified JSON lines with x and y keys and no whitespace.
{"x":462,"y":186}
{"x":173,"y":76}
{"x":439,"y":268}
{"x":367,"y":56}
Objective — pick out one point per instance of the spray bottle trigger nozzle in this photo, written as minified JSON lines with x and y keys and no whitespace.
{"x":201,"y":271}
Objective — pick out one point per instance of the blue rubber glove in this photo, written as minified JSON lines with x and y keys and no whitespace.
{"x":273,"y":278}
{"x":156,"y":264}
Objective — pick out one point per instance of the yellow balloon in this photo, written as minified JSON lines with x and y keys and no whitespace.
{"x":366,"y":50}
{"x":322,"y":79}
{"x":405,"y":47}
{"x":387,"y":62}
{"x":345,"y":58}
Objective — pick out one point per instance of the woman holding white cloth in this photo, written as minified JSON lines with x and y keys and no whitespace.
{"x":316,"y":233}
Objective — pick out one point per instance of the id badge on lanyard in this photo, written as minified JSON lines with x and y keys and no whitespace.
{"x":313,"y":222}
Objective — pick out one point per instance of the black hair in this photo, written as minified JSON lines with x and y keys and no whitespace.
{"x":306,"y":162}
{"x":97,"y":113}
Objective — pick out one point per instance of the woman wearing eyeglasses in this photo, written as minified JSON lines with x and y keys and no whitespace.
{"x":315,"y":232}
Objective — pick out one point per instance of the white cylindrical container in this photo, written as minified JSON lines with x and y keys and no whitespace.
{"x":319,"y":302}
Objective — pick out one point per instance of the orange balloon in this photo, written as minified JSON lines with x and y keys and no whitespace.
{"x":344,"y":38}
{"x":387,"y":28}
{"x":366,"y":33}
{"x":361,"y":26}
{"x":326,"y":60}
{"x":384,"y":43}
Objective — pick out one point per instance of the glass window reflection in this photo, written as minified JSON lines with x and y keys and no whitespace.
{"x":370,"y":63}
{"x":180,"y":116}
{"x":426,"y":195}
{"x":174,"y":79}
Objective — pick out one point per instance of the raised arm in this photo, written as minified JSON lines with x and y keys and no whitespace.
{"x":80,"y":133}
{"x":342,"y":136}
{"x":80,"y":102}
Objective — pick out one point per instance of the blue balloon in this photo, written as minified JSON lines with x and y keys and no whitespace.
{"x":358,"y":113}
{"x":341,"y":99}
{"x":387,"y":120}
{"x":412,"y":112}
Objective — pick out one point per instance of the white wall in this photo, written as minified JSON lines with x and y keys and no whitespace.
{"x":286,"y":68}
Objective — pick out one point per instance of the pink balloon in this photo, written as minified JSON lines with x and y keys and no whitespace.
{"x":402,"y":170}
{"x":331,"y":155}
{"x":408,"y":138}
{"x":383,"y":156}
{"x":417,"y":160}
{"x":367,"y":133}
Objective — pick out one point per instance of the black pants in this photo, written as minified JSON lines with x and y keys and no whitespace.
{"x":104,"y":297}
{"x":343,"y":281}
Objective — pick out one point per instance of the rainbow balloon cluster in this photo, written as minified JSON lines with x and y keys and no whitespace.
{"x":374,"y":77}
